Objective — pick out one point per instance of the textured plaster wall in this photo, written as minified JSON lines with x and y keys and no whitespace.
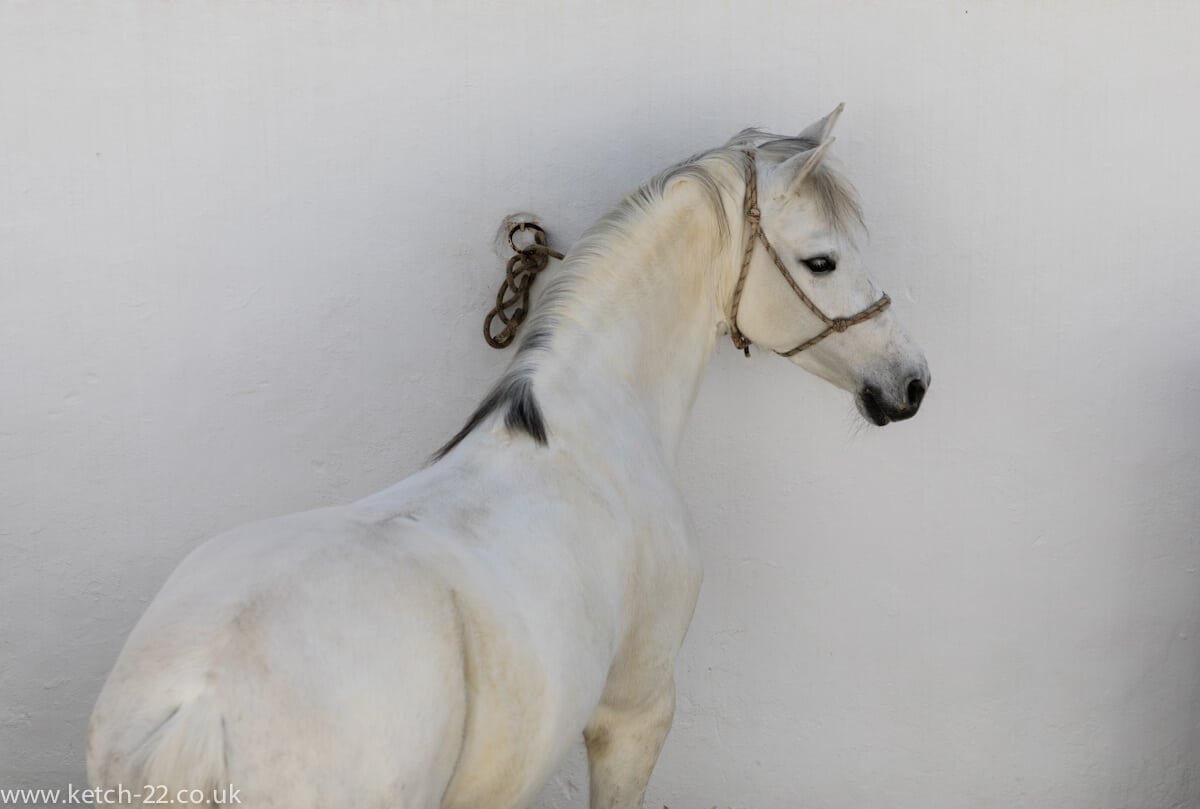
{"x":244,"y":254}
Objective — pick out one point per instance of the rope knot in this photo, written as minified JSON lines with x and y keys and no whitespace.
{"x":514,"y":291}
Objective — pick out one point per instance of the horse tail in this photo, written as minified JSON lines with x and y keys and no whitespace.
{"x":183,"y":755}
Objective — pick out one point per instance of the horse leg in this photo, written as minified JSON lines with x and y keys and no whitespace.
{"x":623,"y":744}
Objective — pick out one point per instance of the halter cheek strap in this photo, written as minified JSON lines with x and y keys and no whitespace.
{"x":756,"y":235}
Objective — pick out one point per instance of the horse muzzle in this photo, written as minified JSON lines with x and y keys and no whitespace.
{"x":880,"y":408}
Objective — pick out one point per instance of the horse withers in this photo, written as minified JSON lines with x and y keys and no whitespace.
{"x":443,"y":642}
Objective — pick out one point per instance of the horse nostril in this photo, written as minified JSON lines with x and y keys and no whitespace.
{"x":916,"y":392}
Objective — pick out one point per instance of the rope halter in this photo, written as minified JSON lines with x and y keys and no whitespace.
{"x":755,"y":235}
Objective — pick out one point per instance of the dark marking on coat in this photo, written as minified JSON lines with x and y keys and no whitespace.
{"x":513,"y":395}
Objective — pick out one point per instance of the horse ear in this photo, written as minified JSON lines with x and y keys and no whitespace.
{"x":819,"y":132}
{"x":799,"y":166}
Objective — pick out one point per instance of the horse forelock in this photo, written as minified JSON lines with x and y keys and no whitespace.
{"x":834,"y":193}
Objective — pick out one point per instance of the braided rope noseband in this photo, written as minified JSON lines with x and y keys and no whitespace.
{"x":754,"y":223}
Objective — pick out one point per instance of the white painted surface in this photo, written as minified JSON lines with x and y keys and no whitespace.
{"x":244,"y":254}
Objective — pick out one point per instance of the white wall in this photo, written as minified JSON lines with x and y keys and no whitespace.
{"x":244,"y":254}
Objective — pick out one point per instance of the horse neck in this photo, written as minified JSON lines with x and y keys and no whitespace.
{"x":634,"y":319}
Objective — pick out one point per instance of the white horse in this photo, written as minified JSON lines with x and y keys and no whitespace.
{"x":443,"y":642}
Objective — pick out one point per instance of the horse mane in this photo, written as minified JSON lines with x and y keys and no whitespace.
{"x":513,"y":392}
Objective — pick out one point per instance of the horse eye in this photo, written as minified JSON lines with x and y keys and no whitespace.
{"x":819,"y":265}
